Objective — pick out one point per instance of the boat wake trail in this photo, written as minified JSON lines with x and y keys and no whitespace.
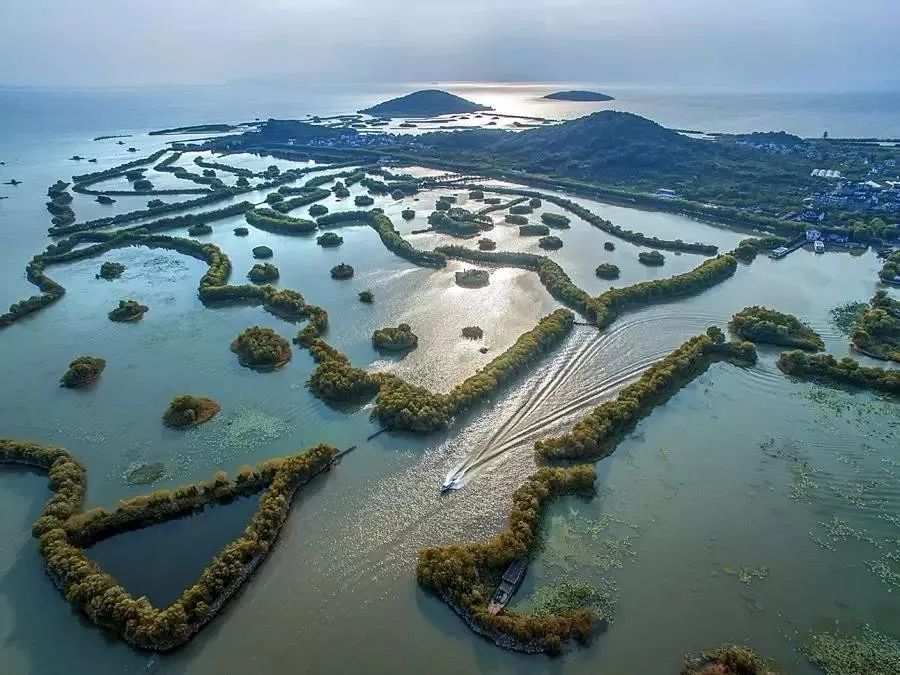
{"x":567,"y":391}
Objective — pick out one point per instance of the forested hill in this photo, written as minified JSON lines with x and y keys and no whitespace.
{"x":618,"y":148}
{"x":425,"y":103}
{"x":605,"y":144}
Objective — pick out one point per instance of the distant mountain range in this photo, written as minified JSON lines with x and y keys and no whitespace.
{"x":425,"y":103}
{"x":579,"y":95}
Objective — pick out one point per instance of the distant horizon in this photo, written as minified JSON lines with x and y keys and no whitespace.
{"x":887,"y":88}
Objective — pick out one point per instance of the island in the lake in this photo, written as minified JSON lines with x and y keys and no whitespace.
{"x":425,"y":103}
{"x":579,"y":95}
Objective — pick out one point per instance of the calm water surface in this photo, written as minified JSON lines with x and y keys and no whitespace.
{"x":741,"y":469}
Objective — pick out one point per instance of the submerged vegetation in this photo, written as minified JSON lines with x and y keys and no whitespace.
{"x":761,"y":324}
{"x":190,"y":411}
{"x":865,"y":651}
{"x":82,"y":371}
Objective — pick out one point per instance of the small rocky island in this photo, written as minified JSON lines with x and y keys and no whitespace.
{"x":472,"y":332}
{"x":578,"y":95}
{"x":261,"y":349}
{"x":263,"y":273}
{"x":111,"y":270}
{"x":397,"y":339}
{"x":651,"y":258}
{"x":425,"y":103}
{"x":486,"y":244}
{"x":262,"y":252}
{"x":550,"y":243}
{"x":472,"y":278}
{"x":82,"y":371}
{"x":607,"y":271}
{"x":190,"y":411}
{"x":329,"y":240}
{"x":128,"y":311}
{"x":366,"y":297}
{"x":342,"y":271}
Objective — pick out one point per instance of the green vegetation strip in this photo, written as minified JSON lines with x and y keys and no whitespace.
{"x":761,"y":324}
{"x":597,"y":434}
{"x":601,"y":223}
{"x":64,"y":530}
{"x":214,"y":287}
{"x":847,"y":371}
{"x":877,"y":332}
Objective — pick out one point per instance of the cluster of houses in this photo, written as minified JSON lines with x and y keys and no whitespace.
{"x":865,"y":195}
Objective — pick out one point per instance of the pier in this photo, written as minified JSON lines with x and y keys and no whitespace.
{"x":783,"y":251}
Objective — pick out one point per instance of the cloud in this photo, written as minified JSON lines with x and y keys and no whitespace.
{"x":766,"y":44}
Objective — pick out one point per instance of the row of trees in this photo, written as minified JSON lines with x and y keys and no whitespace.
{"x":465,"y":574}
{"x":607,"y":226}
{"x":552,"y":276}
{"x":877,"y":333}
{"x":63,"y":530}
{"x":846,"y":371}
{"x":597,"y":433}
{"x":890,"y":271}
{"x":610,"y":304}
{"x":401,"y":405}
{"x":761,"y":324}
{"x":310,"y":196}
{"x":279,"y":223}
{"x":163,"y":223}
{"x":388,"y":234}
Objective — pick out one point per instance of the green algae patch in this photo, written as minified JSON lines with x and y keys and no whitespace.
{"x":866,"y":651}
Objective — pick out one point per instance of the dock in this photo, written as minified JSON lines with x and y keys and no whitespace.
{"x":509,"y":584}
{"x":783,"y":251}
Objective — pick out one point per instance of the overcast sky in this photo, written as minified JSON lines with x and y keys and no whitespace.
{"x":807,"y":45}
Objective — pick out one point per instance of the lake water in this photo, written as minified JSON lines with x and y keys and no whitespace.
{"x":742,"y":470}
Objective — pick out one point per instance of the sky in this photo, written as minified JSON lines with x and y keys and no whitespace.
{"x":740,"y":45}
